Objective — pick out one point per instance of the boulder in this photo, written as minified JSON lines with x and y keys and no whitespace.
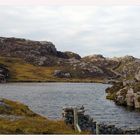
{"x":128,"y":82}
{"x":70,"y":55}
{"x":4,"y":74}
{"x":61,"y":74}
{"x":67,"y":75}
{"x":130,"y":98}
{"x":126,"y":94}
{"x":137,"y":75}
{"x":111,"y":91}
{"x":137,"y":100}
{"x":121,"y":96}
{"x":41,"y":61}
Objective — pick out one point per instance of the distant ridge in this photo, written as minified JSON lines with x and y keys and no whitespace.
{"x":67,"y":64}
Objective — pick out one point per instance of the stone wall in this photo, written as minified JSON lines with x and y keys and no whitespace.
{"x":87,"y":123}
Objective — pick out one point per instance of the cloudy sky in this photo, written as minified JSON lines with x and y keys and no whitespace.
{"x":108,"y":30}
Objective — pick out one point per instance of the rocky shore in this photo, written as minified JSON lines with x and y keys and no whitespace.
{"x":126,"y":92}
{"x":88,"y":124}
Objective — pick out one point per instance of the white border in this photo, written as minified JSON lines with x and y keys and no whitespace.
{"x":70,"y":2}
{"x":69,"y":137}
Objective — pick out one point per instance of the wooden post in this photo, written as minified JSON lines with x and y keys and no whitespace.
{"x":97,"y":128}
{"x":76,"y":126}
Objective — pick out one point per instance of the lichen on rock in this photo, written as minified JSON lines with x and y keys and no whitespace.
{"x":125,"y":93}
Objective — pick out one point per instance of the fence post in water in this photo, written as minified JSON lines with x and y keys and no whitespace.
{"x":97,"y":128}
{"x":76,"y":126}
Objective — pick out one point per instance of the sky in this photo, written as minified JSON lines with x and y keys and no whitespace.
{"x":86,"y":30}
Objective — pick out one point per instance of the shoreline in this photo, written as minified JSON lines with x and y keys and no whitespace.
{"x":18,"y":118}
{"x":58,"y":81}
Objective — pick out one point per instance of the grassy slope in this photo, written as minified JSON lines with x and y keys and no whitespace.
{"x":31,"y":123}
{"x":22,"y":71}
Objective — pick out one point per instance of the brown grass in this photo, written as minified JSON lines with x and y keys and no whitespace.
{"x":30,"y":123}
{"x":21,"y":71}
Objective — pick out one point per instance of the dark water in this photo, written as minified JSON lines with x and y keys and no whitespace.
{"x":48,"y":99}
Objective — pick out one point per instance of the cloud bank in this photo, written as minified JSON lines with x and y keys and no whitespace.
{"x":108,"y":30}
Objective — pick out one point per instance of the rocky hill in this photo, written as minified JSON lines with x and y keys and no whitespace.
{"x":44,"y":55}
{"x":126,"y":91}
{"x":29,"y":60}
{"x":127,"y":67}
{"x":40,"y":53}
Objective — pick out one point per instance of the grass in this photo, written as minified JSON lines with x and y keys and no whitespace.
{"x":21,"y":71}
{"x":15,"y":108}
{"x":31,"y":123}
{"x":34,"y":125}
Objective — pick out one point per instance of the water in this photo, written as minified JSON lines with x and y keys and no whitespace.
{"x":48,"y":99}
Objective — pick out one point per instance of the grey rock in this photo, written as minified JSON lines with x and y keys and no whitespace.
{"x":61,"y":74}
{"x":4,"y":74}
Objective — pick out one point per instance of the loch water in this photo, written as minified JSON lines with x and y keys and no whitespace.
{"x":48,"y":99}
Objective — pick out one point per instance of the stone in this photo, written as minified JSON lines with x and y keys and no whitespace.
{"x":71,"y":55}
{"x":128,"y":82}
{"x":137,"y":75}
{"x":67,"y":75}
{"x":130,"y":97}
{"x":137,"y":100}
{"x":4,"y":74}
{"x":42,"y":61}
{"x":61,"y":74}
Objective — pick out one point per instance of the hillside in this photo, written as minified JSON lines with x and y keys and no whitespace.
{"x":27,"y":60}
{"x":126,"y":91}
{"x":128,"y":66}
{"x":17,"y":118}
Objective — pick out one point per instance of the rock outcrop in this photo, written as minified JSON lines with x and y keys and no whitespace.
{"x":41,"y":53}
{"x":127,"y":67}
{"x":4,"y":74}
{"x":137,"y":75}
{"x":70,"y":55}
{"x":44,"y":53}
{"x":126,"y":93}
{"x":62,"y":74}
